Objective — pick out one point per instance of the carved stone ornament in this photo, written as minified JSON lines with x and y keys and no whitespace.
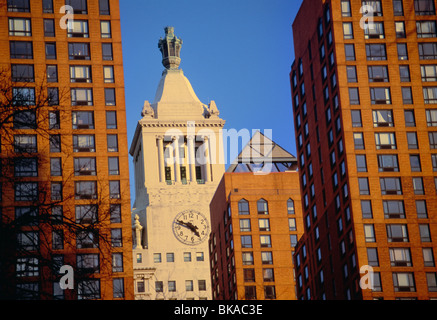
{"x":147,"y":110}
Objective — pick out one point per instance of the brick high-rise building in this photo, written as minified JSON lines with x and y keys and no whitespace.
{"x":65,"y":181}
{"x":364,"y":101}
{"x":256,"y":220}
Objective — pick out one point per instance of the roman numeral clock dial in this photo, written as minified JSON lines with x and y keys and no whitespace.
{"x":190,"y":227}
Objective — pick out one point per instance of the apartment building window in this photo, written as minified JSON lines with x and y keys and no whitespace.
{"x":23,"y":73}
{"x":404,"y":72}
{"x":47,"y":6}
{"x":366,"y":209}
{"x":104,"y":7}
{"x":247,"y":258}
{"x":110,"y":97}
{"x":412,"y":140}
{"x":400,"y":29}
{"x":172,"y":286}
{"x":428,"y":72}
{"x":415,"y":163}
{"x":83,"y":119}
{"x":85,"y":167}
{"x":25,"y":144}
{"x":55,"y":167}
{"x":88,"y":263}
{"x":266,"y":257}
{"x":421,"y":210}
{"x":407,"y":95}
{"x":361,"y":162}
{"x":246,"y":241}
{"x":23,"y":96}
{"x":390,"y":186}
{"x":363,"y":185}
{"x":115,"y":213}
{"x":78,"y":29}
{"x":81,"y":97}
{"x":111,"y":119}
{"x":373,"y":7}
{"x":250,"y":292}
{"x":85,"y":190}
{"x":376,"y":52}
{"x":26,"y":167}
{"x":349,"y":50}
{"x":50,"y":50}
{"x":26,"y":191}
{"x":84,"y":143}
{"x":86,"y":214}
{"x":393,"y":209}
{"x":189,"y":286}
{"x":372,"y":257}
{"x":55,"y":143}
{"x":403,"y":282}
{"x":359,"y":141}
{"x":27,"y":216}
{"x":262,"y":207}
{"x":378,"y":73}
{"x":107,"y":51}
{"x":376,"y":32}
{"x":79,"y":51}
{"x":116,"y":238}
{"x":385,"y":140}
{"x":348,"y":32}
{"x":108,"y":74}
{"x":105,"y":29}
{"x":269,"y":292}
{"x":112,"y":141}
{"x":114,"y":189}
{"x":397,"y":233}
{"x":245,"y":225}
{"x":346,"y":8}
{"x":18,"y":6}
{"x":52,"y":73}
{"x":113,"y":166}
{"x":425,"y":235}
{"x":21,"y":49}
{"x":382,"y":118}
{"x":431,"y":281}
{"x":80,"y":74}
{"x":398,"y":9}
{"x":354,"y":97}
{"x":427,"y":51}
{"x":410,"y":120}
{"x":351,"y":72}
{"x":402,"y":51}
{"x":426,"y":29}
{"x":424,"y":7}
{"x":265,"y":241}
{"x":428,"y":257}
{"x":25,"y":120}
{"x":20,"y":27}
{"x":79,"y":6}
{"x":290,"y":206}
{"x":118,"y":287}
{"x":388,"y":162}
{"x":432,"y":140}
{"x":49,"y":28}
{"x":431,"y":117}
{"x":88,"y":289}
{"x":418,"y":186}
{"x":400,"y":257}
{"x":27,"y":267}
{"x":380,"y":95}
{"x":369,"y":233}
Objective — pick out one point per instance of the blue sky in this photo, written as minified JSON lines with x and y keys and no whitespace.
{"x":235,"y":52}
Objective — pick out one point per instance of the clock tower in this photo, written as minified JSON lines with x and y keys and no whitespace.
{"x":178,"y":161}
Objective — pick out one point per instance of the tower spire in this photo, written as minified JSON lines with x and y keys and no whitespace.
{"x":170,"y":48}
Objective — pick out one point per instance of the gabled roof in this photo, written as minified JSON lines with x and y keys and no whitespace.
{"x":261,"y":150}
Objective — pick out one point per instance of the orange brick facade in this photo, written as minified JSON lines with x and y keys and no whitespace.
{"x":251,"y":251}
{"x":370,"y":197}
{"x":85,"y":66}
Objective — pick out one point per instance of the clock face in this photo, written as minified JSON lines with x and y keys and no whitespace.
{"x":190,"y":227}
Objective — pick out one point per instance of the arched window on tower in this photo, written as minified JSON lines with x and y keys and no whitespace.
{"x":262,"y":207}
{"x":290,"y":206}
{"x":243,"y":207}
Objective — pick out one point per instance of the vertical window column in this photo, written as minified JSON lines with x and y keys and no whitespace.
{"x":177,"y":159}
{"x":161,"y":158}
{"x":192,"y":157}
{"x":207,"y":158}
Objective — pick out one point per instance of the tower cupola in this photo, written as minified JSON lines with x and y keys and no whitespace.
{"x":170,"y":48}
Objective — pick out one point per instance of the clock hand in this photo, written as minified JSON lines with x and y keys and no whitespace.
{"x":190,"y":226}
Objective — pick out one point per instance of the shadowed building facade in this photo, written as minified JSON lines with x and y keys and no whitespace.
{"x":364,"y":109}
